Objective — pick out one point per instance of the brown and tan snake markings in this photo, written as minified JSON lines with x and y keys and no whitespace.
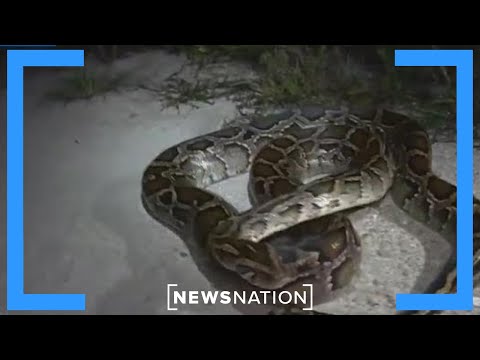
{"x":307,"y":168}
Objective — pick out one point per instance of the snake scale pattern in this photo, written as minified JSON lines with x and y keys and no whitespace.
{"x":308,"y":167}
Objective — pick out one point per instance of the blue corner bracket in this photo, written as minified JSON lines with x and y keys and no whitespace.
{"x":463,"y":61}
{"x":16,"y":297}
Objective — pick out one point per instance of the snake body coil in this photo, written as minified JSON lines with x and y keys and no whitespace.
{"x":308,"y":167}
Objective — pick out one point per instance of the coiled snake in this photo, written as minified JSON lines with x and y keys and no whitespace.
{"x":308,"y":167}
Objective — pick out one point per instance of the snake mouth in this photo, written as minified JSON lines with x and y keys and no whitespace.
{"x":326,"y":250}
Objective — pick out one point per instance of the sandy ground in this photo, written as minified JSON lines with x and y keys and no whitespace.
{"x":86,"y":231}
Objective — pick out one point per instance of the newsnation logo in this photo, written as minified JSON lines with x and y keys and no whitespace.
{"x":303,"y":299}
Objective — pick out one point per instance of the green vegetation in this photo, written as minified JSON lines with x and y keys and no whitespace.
{"x":348,"y":74}
{"x":358,"y":75}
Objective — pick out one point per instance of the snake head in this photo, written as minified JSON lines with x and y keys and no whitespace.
{"x":260,"y":264}
{"x":325,"y":253}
